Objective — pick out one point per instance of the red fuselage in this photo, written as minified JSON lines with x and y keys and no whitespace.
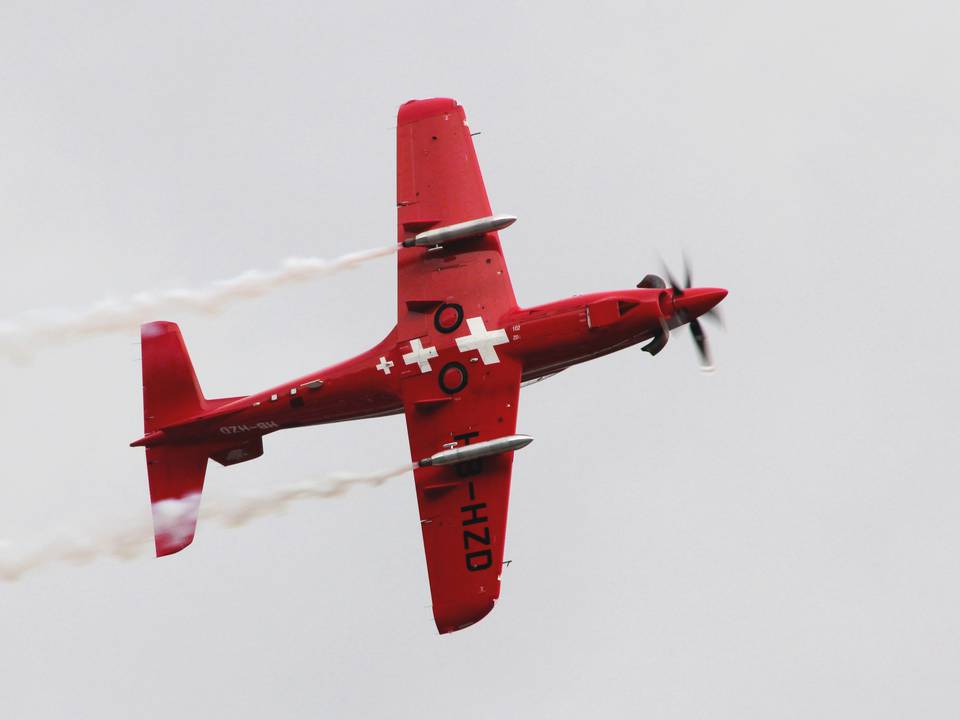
{"x":545,"y":339}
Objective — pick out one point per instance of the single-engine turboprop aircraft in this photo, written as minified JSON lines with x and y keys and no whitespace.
{"x":453,"y":365}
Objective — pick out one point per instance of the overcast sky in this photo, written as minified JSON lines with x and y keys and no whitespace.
{"x":776,"y":540}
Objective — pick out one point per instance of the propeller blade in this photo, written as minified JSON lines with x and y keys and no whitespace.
{"x":700,"y":338}
{"x":688,"y":280}
{"x":714,"y":314}
{"x":677,"y":289}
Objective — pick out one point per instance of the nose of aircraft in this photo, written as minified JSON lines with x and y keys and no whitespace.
{"x":694,"y":302}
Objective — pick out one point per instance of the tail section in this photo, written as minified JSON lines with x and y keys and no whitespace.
{"x":176,"y":469}
{"x":171,"y":394}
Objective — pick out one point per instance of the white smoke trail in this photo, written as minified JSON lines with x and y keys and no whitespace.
{"x":19,"y":339}
{"x":127,"y":543}
{"x":239,"y":509}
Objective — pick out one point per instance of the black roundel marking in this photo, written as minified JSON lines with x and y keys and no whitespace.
{"x":441,"y":318}
{"x":453,"y":378}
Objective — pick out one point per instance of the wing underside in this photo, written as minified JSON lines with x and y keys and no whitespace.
{"x":463,"y":507}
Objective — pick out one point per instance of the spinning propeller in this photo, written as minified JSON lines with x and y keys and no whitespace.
{"x":689,"y":304}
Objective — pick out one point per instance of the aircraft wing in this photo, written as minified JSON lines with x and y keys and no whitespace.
{"x":463,"y":507}
{"x":439,"y":184}
{"x":457,"y":384}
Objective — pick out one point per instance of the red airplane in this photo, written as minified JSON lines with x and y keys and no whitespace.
{"x":453,"y":365}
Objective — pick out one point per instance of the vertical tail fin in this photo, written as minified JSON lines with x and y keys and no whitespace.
{"x":176,"y":480}
{"x":171,"y":392}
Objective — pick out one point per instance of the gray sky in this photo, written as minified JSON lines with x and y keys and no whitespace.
{"x":776,"y":540}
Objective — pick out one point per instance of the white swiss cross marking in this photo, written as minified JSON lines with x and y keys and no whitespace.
{"x":385,"y":365}
{"x":482,"y":340}
{"x":419,"y":355}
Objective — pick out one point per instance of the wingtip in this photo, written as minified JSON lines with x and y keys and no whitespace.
{"x":452,"y":619}
{"x":414,"y":110}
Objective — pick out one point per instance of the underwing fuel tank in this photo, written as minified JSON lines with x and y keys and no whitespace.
{"x":473,"y":451}
{"x":449,"y":233}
